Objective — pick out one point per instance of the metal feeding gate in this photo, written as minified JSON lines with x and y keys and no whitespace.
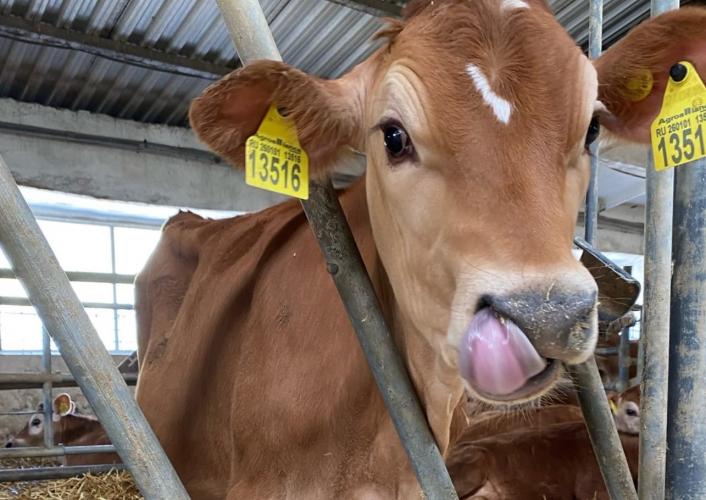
{"x":91,"y":366}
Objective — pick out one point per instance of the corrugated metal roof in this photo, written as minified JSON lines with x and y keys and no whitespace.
{"x":317,"y":36}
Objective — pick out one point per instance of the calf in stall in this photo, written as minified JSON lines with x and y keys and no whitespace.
{"x":541,"y":452}
{"x":626,"y":410}
{"x":70,"y":429}
{"x":554,"y":462}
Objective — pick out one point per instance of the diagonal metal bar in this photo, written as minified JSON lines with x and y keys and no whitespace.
{"x":253,"y":40}
{"x":89,"y":362}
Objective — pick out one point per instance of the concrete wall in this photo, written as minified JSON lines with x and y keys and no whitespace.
{"x":28,"y":399}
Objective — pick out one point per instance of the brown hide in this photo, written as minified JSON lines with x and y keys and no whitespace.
{"x":556,"y":462}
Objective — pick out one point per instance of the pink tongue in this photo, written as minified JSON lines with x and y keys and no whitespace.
{"x":495,"y":356}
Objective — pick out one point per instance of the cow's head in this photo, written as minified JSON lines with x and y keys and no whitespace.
{"x":32,"y":434}
{"x":475,"y":118}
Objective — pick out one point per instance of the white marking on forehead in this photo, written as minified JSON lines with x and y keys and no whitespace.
{"x":501,"y":107}
{"x":514,"y":4}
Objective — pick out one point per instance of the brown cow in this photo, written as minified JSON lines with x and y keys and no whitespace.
{"x":474,"y":117}
{"x":555,"y":462}
{"x":70,"y":429}
{"x":626,"y":410}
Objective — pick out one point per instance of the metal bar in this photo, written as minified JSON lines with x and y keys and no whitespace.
{"x":123,"y":279}
{"x":132,"y":145}
{"x":654,"y":331}
{"x":686,"y":427}
{"x":55,"y":451}
{"x":601,"y":429}
{"x":84,"y":353}
{"x":624,"y":360}
{"x":116,"y":335}
{"x":595,"y":41}
{"x":377,"y":8}
{"x":253,"y":40}
{"x":13,"y":381}
{"x":48,"y":428}
{"x":20,"y":301}
{"x":48,"y":35}
{"x":43,"y":473}
{"x":594,"y":404}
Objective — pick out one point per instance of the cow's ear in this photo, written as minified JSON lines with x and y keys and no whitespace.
{"x":327,"y":113}
{"x":63,"y":405}
{"x":632,"y":75}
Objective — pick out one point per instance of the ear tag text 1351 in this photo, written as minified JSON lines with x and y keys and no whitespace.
{"x":274,"y":159}
{"x":678,"y":134}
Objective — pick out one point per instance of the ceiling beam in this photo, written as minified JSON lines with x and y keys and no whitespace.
{"x":377,"y":8}
{"x":48,"y":35}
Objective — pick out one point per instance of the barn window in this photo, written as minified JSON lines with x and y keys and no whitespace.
{"x":101,"y":245}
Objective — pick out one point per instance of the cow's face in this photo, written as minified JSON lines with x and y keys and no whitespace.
{"x":32,"y":434}
{"x":475,"y":118}
{"x":477,"y":167}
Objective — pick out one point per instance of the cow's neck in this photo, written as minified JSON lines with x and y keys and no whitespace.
{"x":438,"y":386}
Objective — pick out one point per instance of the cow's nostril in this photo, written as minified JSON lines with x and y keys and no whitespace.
{"x":8,"y":444}
{"x":561,"y":326}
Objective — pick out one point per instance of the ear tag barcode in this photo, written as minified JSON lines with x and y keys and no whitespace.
{"x":678,"y":134}
{"x":274,"y":160}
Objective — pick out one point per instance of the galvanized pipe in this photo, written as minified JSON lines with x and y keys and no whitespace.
{"x":601,"y":429}
{"x":43,"y":473}
{"x":253,"y":40}
{"x":13,"y":381}
{"x":624,"y":360}
{"x":55,"y":451}
{"x":595,"y":46}
{"x":686,"y":425}
{"x":654,"y":333}
{"x":47,"y":390}
{"x":61,"y":313}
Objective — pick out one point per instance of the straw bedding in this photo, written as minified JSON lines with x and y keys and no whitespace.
{"x":108,"y":486}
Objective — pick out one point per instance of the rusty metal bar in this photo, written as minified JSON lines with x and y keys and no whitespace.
{"x":61,"y":313}
{"x":654,"y":331}
{"x":253,"y":40}
{"x":601,"y":429}
{"x":686,"y":426}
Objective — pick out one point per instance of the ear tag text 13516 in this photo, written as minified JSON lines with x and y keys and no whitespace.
{"x":274,"y":159}
{"x":678,"y":134}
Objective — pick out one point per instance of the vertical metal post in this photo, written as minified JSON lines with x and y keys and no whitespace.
{"x":594,"y":403}
{"x":624,"y":353}
{"x":46,"y":390}
{"x":116,"y":336}
{"x":595,"y":46}
{"x":63,"y":316}
{"x":253,"y":40}
{"x":654,"y":331}
{"x":686,"y":426}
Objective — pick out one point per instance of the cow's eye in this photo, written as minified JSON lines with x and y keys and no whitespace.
{"x":36,"y":422}
{"x":594,"y":128}
{"x":631,"y":412}
{"x":397,"y":142}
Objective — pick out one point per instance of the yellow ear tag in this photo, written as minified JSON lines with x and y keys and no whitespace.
{"x":274,"y":160}
{"x":613,"y":407}
{"x":639,"y":86}
{"x":678,"y":134}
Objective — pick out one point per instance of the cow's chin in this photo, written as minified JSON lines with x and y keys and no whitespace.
{"x":537,"y":386}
